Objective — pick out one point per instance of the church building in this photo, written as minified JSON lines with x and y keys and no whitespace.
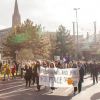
{"x":16,"y":20}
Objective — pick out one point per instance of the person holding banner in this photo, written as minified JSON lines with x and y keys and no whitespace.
{"x":74,"y":65}
{"x":44,"y":64}
{"x":58,"y":64}
{"x":81,"y":76}
{"x":52,"y":72}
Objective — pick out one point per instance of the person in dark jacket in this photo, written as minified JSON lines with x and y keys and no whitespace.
{"x":94,"y":72}
{"x":0,"y":65}
{"x":36,"y":73}
{"x":22,"y":69}
{"x":33,"y":74}
{"x":74,"y":65}
{"x":28,"y":76}
{"x":81,"y":76}
{"x":58,"y":65}
{"x":86,"y":68}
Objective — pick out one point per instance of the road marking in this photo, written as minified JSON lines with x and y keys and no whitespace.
{"x":18,"y":90}
{"x":8,"y":96}
{"x":11,"y":87}
{"x":11,"y":83}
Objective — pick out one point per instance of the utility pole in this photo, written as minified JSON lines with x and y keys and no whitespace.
{"x":74,"y":31}
{"x":95,"y":32}
{"x":76,"y":9}
{"x":87,"y":36}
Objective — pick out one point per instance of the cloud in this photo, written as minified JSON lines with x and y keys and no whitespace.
{"x":51,"y":13}
{"x":2,"y":27}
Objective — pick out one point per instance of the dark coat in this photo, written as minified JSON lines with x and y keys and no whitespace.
{"x":74,"y":66}
{"x":94,"y":69}
{"x":17,"y":66}
{"x":28,"y":74}
{"x":36,"y":69}
{"x":81,"y":74}
{"x":0,"y":65}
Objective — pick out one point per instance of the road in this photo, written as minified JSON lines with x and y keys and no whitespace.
{"x":16,"y":90}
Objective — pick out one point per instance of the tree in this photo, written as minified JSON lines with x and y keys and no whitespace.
{"x":26,"y":37}
{"x":64,"y":42}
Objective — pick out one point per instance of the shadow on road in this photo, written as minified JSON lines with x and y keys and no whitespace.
{"x":50,"y":97}
{"x":96,"y":96}
{"x":33,"y":95}
{"x":43,"y":97}
{"x":86,"y":87}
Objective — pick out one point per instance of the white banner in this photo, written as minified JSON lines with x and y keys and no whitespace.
{"x":54,"y":77}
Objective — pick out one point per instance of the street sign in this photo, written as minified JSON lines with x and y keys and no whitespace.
{"x":57,"y":58}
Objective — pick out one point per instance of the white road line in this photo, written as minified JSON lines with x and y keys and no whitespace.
{"x":18,"y":90}
{"x":11,"y":87}
{"x":11,"y":83}
{"x":3,"y":97}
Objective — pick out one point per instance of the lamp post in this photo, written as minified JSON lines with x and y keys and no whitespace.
{"x":94,"y":31}
{"x":76,"y":10}
{"x":16,"y":54}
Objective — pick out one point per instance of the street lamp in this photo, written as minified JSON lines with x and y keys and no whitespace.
{"x":16,"y":54}
{"x":76,"y":9}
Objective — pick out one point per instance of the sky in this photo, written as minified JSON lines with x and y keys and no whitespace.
{"x":52,"y":13}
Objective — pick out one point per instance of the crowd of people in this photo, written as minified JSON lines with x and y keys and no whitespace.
{"x":29,"y":70}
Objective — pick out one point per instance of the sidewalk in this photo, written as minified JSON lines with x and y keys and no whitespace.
{"x":89,"y":91}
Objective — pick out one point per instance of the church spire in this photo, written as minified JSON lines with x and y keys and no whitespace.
{"x":16,"y":20}
{"x":16,"y":10}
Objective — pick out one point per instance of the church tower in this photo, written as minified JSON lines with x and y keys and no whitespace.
{"x":16,"y":19}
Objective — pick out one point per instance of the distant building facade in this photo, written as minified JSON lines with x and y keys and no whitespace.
{"x":16,"y":20}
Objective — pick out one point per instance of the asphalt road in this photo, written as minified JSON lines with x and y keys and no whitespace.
{"x":16,"y":90}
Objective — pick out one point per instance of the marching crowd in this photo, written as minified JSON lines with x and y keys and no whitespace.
{"x":30,"y":70}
